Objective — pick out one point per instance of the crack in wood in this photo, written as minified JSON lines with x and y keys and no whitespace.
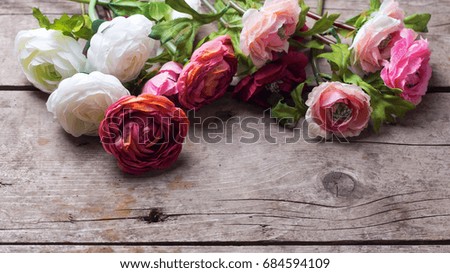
{"x":417,"y":201}
{"x":282,"y":201}
{"x":384,"y":223}
{"x":386,"y":197}
{"x":400,"y":144}
{"x":3,"y":184}
{"x":243,"y":243}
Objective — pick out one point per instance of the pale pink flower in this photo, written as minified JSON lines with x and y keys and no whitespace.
{"x":374,"y":41}
{"x":337,"y":109}
{"x":392,"y":9}
{"x":268,"y":30}
{"x":409,"y":67}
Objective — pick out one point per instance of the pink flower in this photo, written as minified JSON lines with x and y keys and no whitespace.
{"x":392,"y":9}
{"x":337,"y":109}
{"x":165,"y":83}
{"x":269,"y":29}
{"x":280,"y":76}
{"x":208,"y":75}
{"x":372,"y":45}
{"x":409,"y":67}
{"x":144,"y":133}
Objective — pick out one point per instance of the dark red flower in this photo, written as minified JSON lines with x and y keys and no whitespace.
{"x":144,"y":133}
{"x":276,"y":78}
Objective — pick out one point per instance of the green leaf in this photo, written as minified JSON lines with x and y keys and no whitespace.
{"x":375,"y":4}
{"x":386,"y":107}
{"x":298,"y":100}
{"x":285,"y":114}
{"x":418,"y":22}
{"x":43,"y":20}
{"x":333,"y":32}
{"x":290,"y":115}
{"x":157,"y":11}
{"x":181,"y":32}
{"x":321,"y":25}
{"x":77,"y":26}
{"x":339,"y":58}
{"x":182,"y":6}
{"x":127,"y":7}
{"x":304,"y":11}
{"x":96,"y":25}
{"x":164,"y":57}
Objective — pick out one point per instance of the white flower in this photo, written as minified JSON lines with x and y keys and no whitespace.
{"x":194,"y":4}
{"x":122,"y":46}
{"x":47,"y":57}
{"x":80,"y":102}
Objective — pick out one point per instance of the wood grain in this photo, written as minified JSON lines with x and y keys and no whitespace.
{"x":57,"y":189}
{"x":222,"y":249}
{"x":24,"y":7}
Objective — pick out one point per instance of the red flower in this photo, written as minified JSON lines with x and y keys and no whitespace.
{"x":280,"y":76}
{"x":208,"y":75}
{"x":144,"y":133}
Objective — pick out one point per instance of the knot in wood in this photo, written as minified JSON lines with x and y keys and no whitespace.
{"x":339,"y":184}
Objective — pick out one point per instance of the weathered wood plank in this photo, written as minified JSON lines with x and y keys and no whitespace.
{"x":439,"y":35}
{"x":221,"y":249}
{"x":55,"y":188}
{"x":20,"y":7}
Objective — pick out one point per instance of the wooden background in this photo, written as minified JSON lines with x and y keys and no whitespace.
{"x":379,"y":193}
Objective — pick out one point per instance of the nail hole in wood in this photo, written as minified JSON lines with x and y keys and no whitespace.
{"x":155,"y":215}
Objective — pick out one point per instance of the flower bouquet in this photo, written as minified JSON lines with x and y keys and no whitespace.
{"x":129,"y":75}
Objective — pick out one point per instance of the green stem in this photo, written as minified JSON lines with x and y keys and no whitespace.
{"x":315,"y":67}
{"x":236,"y":6}
{"x":171,"y":47}
{"x":92,"y":12}
{"x":211,"y":8}
{"x":320,"y":4}
{"x":89,"y":1}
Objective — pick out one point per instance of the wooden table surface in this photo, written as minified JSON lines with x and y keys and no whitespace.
{"x":379,"y":193}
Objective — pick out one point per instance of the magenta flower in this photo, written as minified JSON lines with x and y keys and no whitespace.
{"x":409,"y":67}
{"x":165,"y":82}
